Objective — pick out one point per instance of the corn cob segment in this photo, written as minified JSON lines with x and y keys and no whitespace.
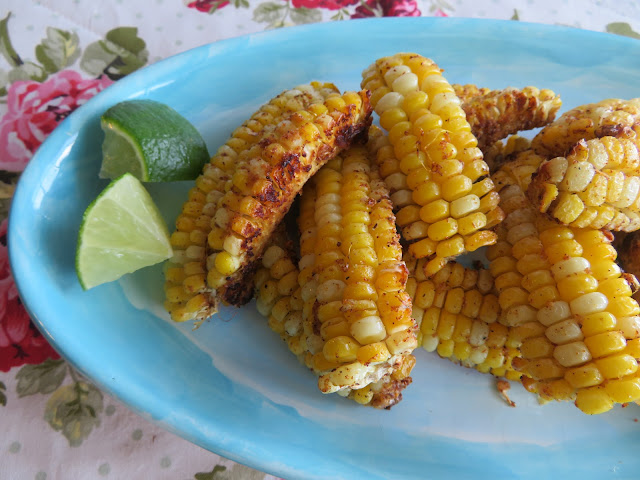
{"x":562,"y":284}
{"x":279,"y":298}
{"x":585,"y":122}
{"x":433,"y":155}
{"x":356,"y":313}
{"x":246,"y":189}
{"x":597,"y":185}
{"x":457,"y":311}
{"x":500,"y":113}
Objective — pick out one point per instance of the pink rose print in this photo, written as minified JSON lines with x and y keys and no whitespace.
{"x":207,"y":5}
{"x":328,"y":4}
{"x":387,"y":8}
{"x":20,"y":341}
{"x":439,"y":13}
{"x":34,"y":110}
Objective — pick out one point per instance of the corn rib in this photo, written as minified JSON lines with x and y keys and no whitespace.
{"x":499,"y":113}
{"x":597,"y":185}
{"x":585,"y":122}
{"x":436,"y":174}
{"x":246,"y":189}
{"x":562,"y":287}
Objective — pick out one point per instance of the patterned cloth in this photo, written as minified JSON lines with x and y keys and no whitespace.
{"x":54,"y":56}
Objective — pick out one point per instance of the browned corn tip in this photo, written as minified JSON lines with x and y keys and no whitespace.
{"x":446,"y":205}
{"x":597,"y":185}
{"x":248,"y":186}
{"x":585,"y":122}
{"x":499,"y":113}
{"x":561,"y":288}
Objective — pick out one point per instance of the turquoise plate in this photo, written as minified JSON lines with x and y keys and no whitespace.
{"x":232,"y":386}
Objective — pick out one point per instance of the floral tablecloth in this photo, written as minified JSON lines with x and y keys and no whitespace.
{"x":54,"y":56}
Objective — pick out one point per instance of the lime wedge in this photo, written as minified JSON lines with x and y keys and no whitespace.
{"x":121,"y":232}
{"x":151,"y":141}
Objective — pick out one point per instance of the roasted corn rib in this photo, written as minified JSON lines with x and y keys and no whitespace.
{"x":561,"y":284}
{"x":499,"y":113}
{"x":585,"y":122}
{"x":356,"y":313}
{"x":596,"y":185}
{"x":457,"y":312}
{"x":432,"y":165}
{"x":279,"y":299}
{"x":246,"y":189}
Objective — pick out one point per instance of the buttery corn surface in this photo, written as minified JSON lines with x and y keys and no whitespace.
{"x":431,"y":163}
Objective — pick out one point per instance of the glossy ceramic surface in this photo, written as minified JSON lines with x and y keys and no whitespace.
{"x":232,"y":386}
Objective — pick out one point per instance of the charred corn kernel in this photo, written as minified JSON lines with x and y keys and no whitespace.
{"x":570,"y":190}
{"x":437,"y":154}
{"x":496,"y":114}
{"x":247,"y":187}
{"x":562,"y":279}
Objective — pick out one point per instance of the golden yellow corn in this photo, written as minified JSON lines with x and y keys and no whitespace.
{"x":457,"y":311}
{"x":499,"y":113}
{"x":585,"y":122}
{"x":431,"y":160}
{"x":356,"y":313}
{"x":501,"y":152}
{"x":244,"y":192}
{"x":469,"y":91}
{"x":563,"y":286}
{"x":597,"y":185}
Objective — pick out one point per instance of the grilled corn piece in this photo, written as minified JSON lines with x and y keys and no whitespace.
{"x":246,"y":189}
{"x":356,"y":313}
{"x":499,"y":113}
{"x":447,"y":203}
{"x":596,"y":185}
{"x":457,"y":312}
{"x":561,"y":284}
{"x":585,"y":122}
{"x":628,"y":247}
{"x":279,"y":299}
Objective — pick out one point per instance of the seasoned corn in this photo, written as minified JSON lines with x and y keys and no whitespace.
{"x":499,"y":113}
{"x":244,"y":192}
{"x":430,"y":160}
{"x":586,"y":122}
{"x":597,"y":185}
{"x":356,"y":312}
{"x":562,"y":285}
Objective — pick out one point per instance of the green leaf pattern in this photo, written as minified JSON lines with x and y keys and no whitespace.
{"x":43,"y":378}
{"x":58,"y":50}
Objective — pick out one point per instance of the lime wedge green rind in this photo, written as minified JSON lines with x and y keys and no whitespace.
{"x":121,"y":232}
{"x":151,"y":141}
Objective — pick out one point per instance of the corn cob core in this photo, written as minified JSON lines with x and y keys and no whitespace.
{"x":432,"y":165}
{"x":586,"y":122}
{"x":246,"y":189}
{"x":279,"y":298}
{"x":356,"y":314}
{"x":597,"y":185}
{"x":562,"y":287}
{"x":500,"y":113}
{"x":456,"y":310}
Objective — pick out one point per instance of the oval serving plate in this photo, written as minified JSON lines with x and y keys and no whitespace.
{"x":232,"y":386}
